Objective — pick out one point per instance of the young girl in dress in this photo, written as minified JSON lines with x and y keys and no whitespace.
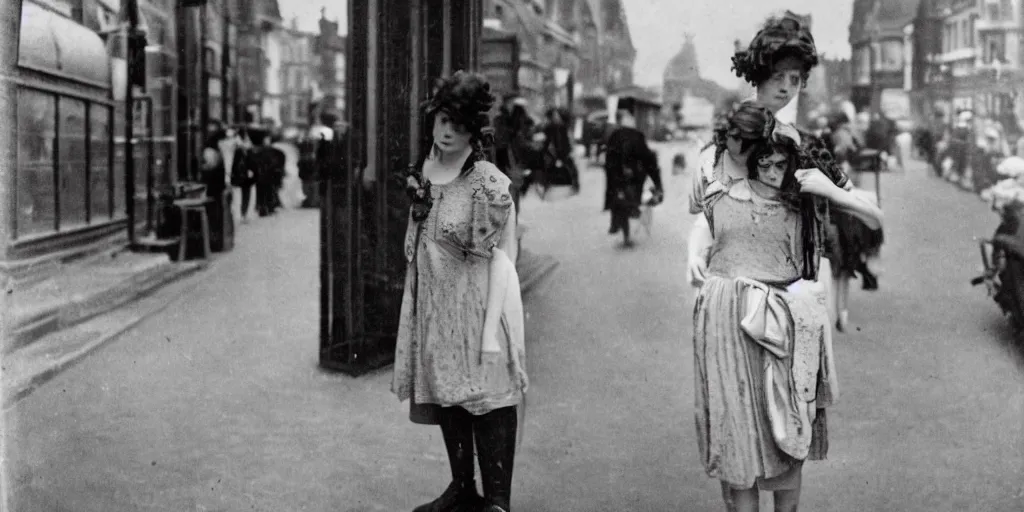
{"x":762,"y":357}
{"x":460,"y":357}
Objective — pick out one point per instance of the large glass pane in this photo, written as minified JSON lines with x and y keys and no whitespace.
{"x":119,"y":162}
{"x":99,"y":163}
{"x":36,"y":136}
{"x":72,"y":164}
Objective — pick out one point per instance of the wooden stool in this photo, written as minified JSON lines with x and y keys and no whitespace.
{"x":198,"y":206}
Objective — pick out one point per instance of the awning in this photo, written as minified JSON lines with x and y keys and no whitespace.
{"x":51,"y":43}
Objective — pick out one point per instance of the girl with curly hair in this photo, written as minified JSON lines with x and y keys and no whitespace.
{"x":762,"y":342}
{"x":460,"y":356}
{"x":777,"y":62}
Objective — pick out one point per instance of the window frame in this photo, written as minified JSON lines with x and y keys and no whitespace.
{"x":90,"y":102}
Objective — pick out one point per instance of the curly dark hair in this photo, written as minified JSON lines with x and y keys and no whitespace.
{"x":467,"y":98}
{"x":780,"y":38}
{"x":785,"y":146}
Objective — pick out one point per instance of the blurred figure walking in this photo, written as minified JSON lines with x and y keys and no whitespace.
{"x":629,"y":162}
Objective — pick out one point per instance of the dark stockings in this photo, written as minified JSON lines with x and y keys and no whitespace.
{"x":495,"y":440}
{"x":457,"y":430}
{"x":495,"y":434}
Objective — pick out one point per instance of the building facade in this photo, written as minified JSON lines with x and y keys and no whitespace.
{"x":328,"y":92}
{"x":256,"y":26}
{"x":879,"y":48}
{"x":982,"y":50}
{"x":569,"y":49}
{"x":968,"y":56}
{"x":297,"y":69}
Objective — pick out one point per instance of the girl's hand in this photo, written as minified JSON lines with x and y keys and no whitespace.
{"x":490,"y":349}
{"x":813,"y":181}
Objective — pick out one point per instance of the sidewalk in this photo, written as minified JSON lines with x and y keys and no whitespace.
{"x":218,"y":404}
{"x":61,"y":319}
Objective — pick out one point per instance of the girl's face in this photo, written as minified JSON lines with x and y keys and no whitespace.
{"x":449,"y":136}
{"x":784,"y":84}
{"x":771,"y":169}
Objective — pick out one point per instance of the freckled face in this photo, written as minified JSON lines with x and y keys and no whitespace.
{"x":772,"y":169}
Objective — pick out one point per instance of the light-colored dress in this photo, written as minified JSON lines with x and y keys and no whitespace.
{"x":438,"y":352}
{"x":762,"y":352}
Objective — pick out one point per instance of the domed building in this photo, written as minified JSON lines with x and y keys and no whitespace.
{"x":683,"y":87}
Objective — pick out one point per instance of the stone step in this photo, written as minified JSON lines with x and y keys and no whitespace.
{"x":81,"y":292}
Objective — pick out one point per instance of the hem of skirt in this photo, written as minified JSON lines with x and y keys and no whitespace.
{"x":476,"y":408}
{"x":424,"y":411}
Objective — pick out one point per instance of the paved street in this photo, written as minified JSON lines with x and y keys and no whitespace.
{"x":217,"y":403}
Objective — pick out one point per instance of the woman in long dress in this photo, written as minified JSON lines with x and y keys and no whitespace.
{"x":460,"y":356}
{"x":763,"y":367}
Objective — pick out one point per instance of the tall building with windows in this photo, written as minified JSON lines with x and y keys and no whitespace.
{"x":296,"y":69}
{"x":878,"y":52}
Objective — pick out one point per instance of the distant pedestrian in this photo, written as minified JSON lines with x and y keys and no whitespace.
{"x":629,"y":163}
{"x":460,"y":354}
{"x":243,"y":175}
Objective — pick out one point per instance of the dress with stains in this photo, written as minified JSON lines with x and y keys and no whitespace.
{"x":438,"y":352}
{"x":757,"y":246}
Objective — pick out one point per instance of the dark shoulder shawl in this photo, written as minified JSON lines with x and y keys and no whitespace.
{"x":814,"y":153}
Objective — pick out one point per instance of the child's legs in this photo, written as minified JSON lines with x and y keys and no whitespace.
{"x":787,"y":501}
{"x":785,"y":488}
{"x":740,"y":500}
{"x":843,"y":293}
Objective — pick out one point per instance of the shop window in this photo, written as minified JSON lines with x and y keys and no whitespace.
{"x":99,"y":163}
{"x":37,"y":132}
{"x":72,"y":165}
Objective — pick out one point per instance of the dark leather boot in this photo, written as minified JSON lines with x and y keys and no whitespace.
{"x":456,"y":498}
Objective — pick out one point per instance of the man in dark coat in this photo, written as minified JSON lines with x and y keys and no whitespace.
{"x":628,"y":164}
{"x":557,"y":149}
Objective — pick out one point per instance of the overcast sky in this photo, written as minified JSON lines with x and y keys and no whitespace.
{"x":657,"y":27}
